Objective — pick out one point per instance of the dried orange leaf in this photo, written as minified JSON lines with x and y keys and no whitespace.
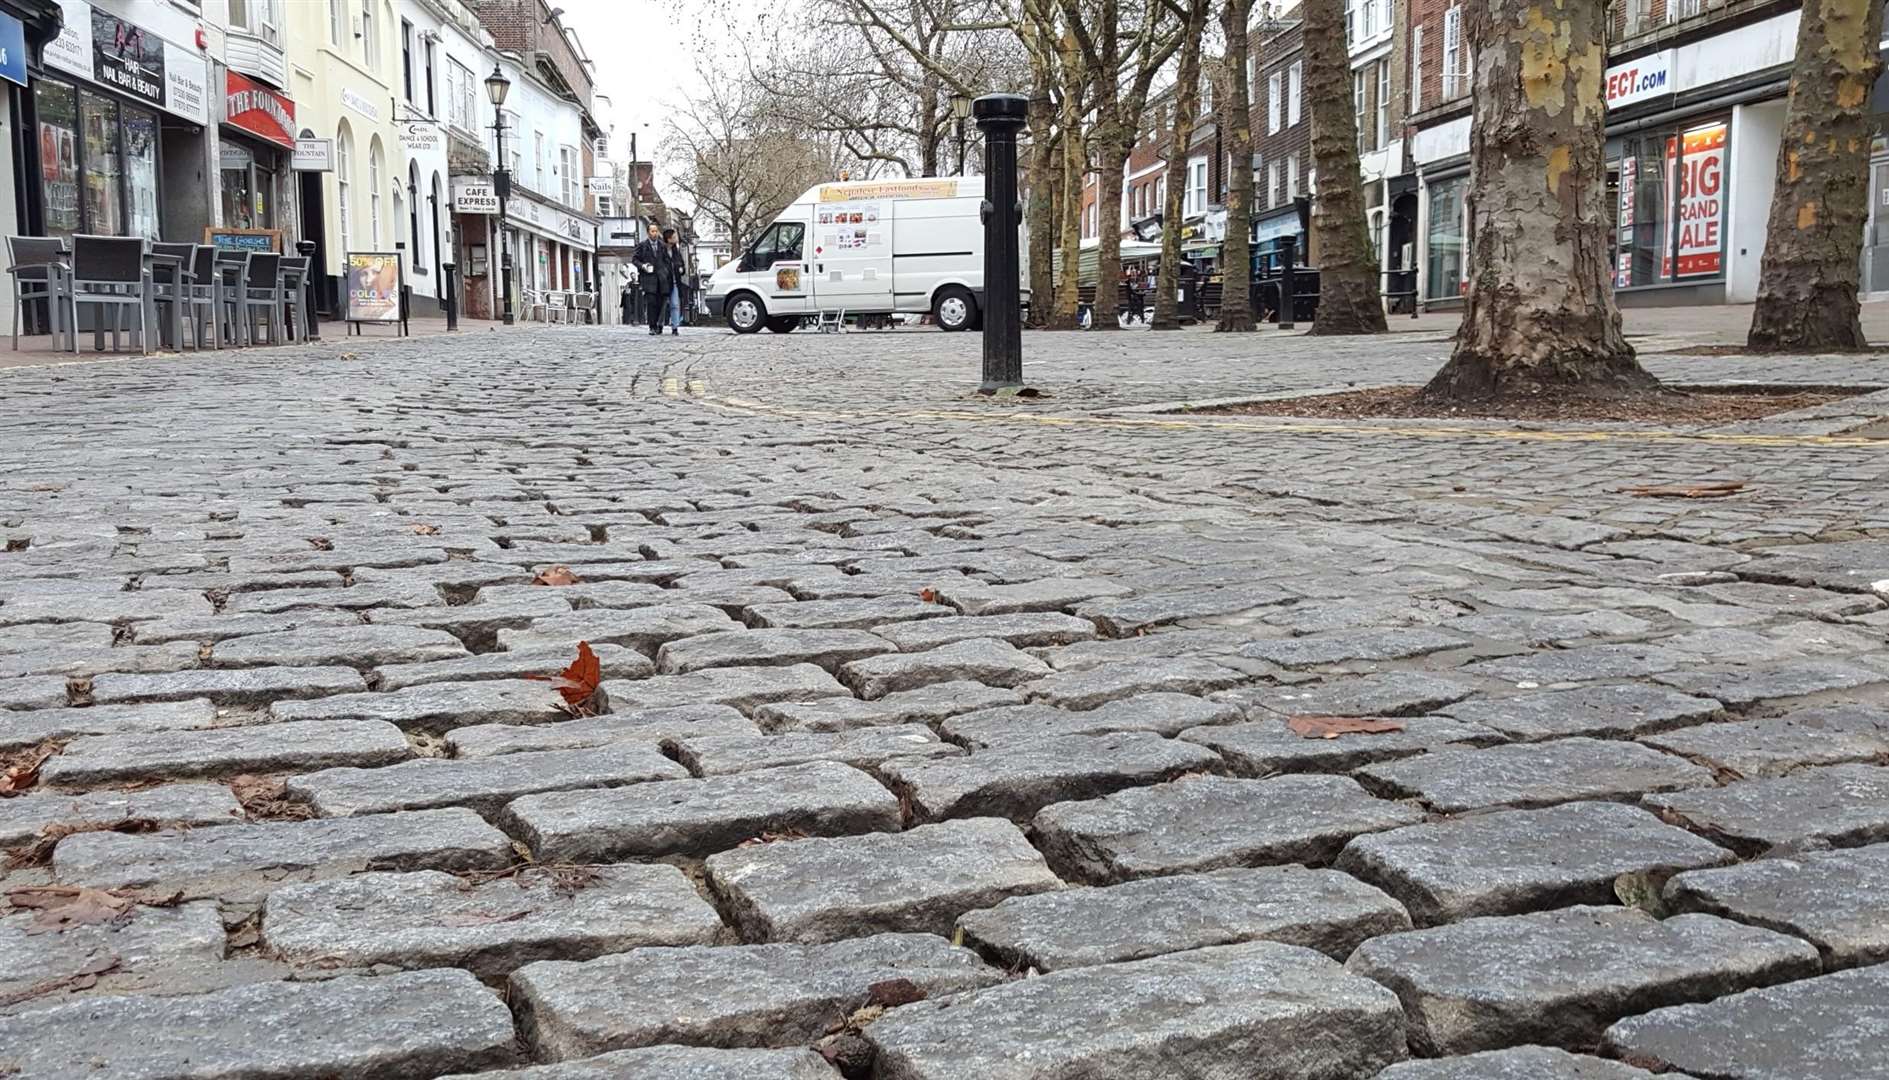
{"x":425,"y":530}
{"x":577,"y":683}
{"x":556,"y":575}
{"x":1330,"y":727}
{"x":61,"y":907}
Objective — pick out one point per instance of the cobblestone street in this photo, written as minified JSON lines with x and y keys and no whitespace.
{"x":939,"y":738}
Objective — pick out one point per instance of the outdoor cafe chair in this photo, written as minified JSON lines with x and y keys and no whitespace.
{"x":199,"y":299}
{"x":262,"y":296}
{"x":231,"y":272}
{"x":170,"y":284}
{"x":108,"y":272}
{"x":294,"y":284}
{"x":38,"y":268}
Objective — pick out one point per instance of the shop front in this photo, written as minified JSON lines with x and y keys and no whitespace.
{"x":255,"y":183}
{"x":111,"y":102}
{"x":1446,"y":237}
{"x":1269,"y":236}
{"x":1669,"y":189}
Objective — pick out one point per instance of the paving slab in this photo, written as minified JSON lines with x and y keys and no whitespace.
{"x":1831,"y":1026}
{"x":434,"y":708}
{"x":918,"y":881}
{"x":1513,"y":861}
{"x":202,"y":628}
{"x":1081,"y":927}
{"x":431,"y":919}
{"x":1088,"y":688}
{"x":198,"y":859}
{"x":850,"y":613}
{"x":1534,"y":630}
{"x":1586,"y":663}
{"x":1158,"y":644}
{"x":30,"y":727}
{"x":42,"y":637}
{"x":615,"y":662}
{"x":644,"y":629}
{"x":1163,"y":714}
{"x":112,"y":607}
{"x":1344,"y":646}
{"x":408,"y":1026}
{"x":1558,"y":978}
{"x":1209,"y":823}
{"x":862,"y":748}
{"x":700,"y":817}
{"x":827,"y":649}
{"x":256,"y":748}
{"x":1385,"y":693}
{"x":152,"y":939}
{"x":1047,"y":594}
{"x":484,"y":785}
{"x":1518,"y":1063}
{"x":1267,"y":746}
{"x":743,"y":688}
{"x":36,"y":692}
{"x":1838,"y":806}
{"x":678,"y":1063}
{"x":1746,"y":686}
{"x":1613,"y":711}
{"x":648,"y":726}
{"x":980,"y":660}
{"x":925,"y":705}
{"x":1533,"y":774}
{"x":1781,"y":745}
{"x":583,"y":596}
{"x":351,"y":646}
{"x":171,"y":805}
{"x":478,"y":624}
{"x":727,"y":996}
{"x":239,"y":686}
{"x":1836,"y":900}
{"x":1024,"y":630}
{"x":1015,"y":781}
{"x":172,"y":656}
{"x":1203,"y":1013}
{"x":1124,"y":616}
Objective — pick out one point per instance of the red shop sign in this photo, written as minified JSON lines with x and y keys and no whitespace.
{"x":259,"y":110}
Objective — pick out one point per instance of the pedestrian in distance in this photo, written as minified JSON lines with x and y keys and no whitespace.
{"x":686,"y":286}
{"x":651,"y":259}
{"x":629,"y":302}
{"x":673,"y":265}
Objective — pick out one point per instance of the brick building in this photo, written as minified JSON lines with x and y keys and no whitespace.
{"x":1282,"y":137}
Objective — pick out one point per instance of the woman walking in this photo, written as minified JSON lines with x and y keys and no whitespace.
{"x":672,"y":271}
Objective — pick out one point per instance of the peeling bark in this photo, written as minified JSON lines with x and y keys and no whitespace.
{"x":1540,"y":316}
{"x":1814,"y":242}
{"x":1236,"y":254}
{"x":1348,"y":301}
{"x":1186,"y":109}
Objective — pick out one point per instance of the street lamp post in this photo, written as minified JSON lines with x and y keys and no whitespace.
{"x":961,"y":109}
{"x":496,"y":87}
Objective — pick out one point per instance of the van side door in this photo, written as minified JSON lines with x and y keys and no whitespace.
{"x":778,"y":269}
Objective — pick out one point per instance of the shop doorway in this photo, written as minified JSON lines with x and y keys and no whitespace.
{"x":327,"y":290}
{"x":1876,"y":236}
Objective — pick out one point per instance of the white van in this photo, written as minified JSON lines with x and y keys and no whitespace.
{"x":864,"y":247}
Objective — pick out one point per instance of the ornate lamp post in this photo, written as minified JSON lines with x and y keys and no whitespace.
{"x":496,"y":87}
{"x":960,"y":108}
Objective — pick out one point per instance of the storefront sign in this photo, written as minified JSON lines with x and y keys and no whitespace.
{"x":474,"y":198}
{"x":232,"y":156}
{"x":891,"y":189}
{"x":1637,"y":80}
{"x":12,"y":50}
{"x":131,"y":60}
{"x":360,"y":104}
{"x":313,"y":155}
{"x":422,"y":138}
{"x":244,"y":239}
{"x":373,"y":286}
{"x":601,"y":185}
{"x":265,"y":113}
{"x":1701,"y":172}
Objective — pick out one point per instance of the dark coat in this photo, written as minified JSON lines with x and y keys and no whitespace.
{"x":653,"y":266}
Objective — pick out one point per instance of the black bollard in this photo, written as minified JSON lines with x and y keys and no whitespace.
{"x":307,"y":249}
{"x":449,"y":285}
{"x":1288,"y":286}
{"x":1001,"y":116}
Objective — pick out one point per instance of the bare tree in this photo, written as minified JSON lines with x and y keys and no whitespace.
{"x":1125,"y":44}
{"x":1347,"y":267}
{"x":1034,"y":29}
{"x":1073,"y":77}
{"x":1813,"y":244}
{"x":1540,"y":315}
{"x":1186,"y":111}
{"x":1236,"y":127}
{"x":734,"y":160}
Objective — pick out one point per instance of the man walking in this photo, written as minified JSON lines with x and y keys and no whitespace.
{"x":652,"y":260}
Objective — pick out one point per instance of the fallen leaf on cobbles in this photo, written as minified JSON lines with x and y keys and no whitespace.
{"x":62,"y":907}
{"x":1331,"y":727}
{"x":266,"y":798}
{"x":892,"y":992}
{"x":39,"y":852}
{"x":578,"y":683}
{"x":482,"y":918}
{"x":321,"y":543}
{"x":928,"y":595}
{"x":1685,"y":491}
{"x":83,"y":979}
{"x":1645,"y":890}
{"x":556,"y":575}
{"x":20,"y":770}
{"x":425,"y":530}
{"x":781,"y":837}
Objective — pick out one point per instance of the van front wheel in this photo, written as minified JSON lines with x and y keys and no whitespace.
{"x":745,"y":314}
{"x":955,"y":308}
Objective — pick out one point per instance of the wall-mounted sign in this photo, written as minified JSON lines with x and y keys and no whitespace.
{"x":12,"y":50}
{"x":1639,"y":79}
{"x":313,"y":155}
{"x":422,"y":138}
{"x":601,"y":185}
{"x":106,"y":49}
{"x":263,"y":112}
{"x":360,"y":104}
{"x":472,"y":197}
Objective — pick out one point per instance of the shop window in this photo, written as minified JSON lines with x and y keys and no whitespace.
{"x":431,"y":110}
{"x":406,"y":58}
{"x":1669,"y":201}
{"x":344,"y":171}
{"x":57,"y":105}
{"x":104,"y":167}
{"x":1446,"y":240}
